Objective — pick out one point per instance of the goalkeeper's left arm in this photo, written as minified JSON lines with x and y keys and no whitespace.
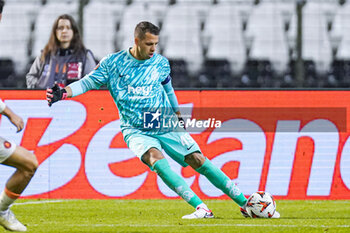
{"x":93,"y":80}
{"x":56,"y":93}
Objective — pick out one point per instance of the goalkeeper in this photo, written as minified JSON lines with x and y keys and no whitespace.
{"x":139,"y":82}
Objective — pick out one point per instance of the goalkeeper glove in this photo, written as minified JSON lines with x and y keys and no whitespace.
{"x":55,"y":94}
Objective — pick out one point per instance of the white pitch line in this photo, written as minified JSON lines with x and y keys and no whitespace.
{"x":38,"y":202}
{"x":203,"y":225}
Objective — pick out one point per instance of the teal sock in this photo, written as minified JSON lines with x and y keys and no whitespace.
{"x":222,"y":182}
{"x":176,"y":183}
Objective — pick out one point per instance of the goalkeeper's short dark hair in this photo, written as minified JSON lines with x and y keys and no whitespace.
{"x":143,"y":27}
{"x":2,"y":3}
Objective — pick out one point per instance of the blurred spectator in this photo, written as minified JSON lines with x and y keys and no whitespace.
{"x":64,"y":58}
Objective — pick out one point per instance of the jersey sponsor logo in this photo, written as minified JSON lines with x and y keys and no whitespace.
{"x":140,"y":90}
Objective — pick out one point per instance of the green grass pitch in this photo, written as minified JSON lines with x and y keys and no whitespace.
{"x":155,"y":216}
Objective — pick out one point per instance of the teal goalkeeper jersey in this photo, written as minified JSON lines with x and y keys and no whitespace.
{"x":136,"y":87}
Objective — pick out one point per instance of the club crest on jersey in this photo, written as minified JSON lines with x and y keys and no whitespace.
{"x":154,"y":75}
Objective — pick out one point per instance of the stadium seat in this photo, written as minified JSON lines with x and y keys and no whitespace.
{"x":123,"y":2}
{"x":181,"y":39}
{"x":216,"y":73}
{"x":7,"y":73}
{"x":179,"y":74}
{"x":35,"y":2}
{"x":133,"y":14}
{"x":156,"y":8}
{"x":200,"y":7}
{"x":244,"y":7}
{"x":100,"y":30}
{"x":224,"y":33}
{"x":250,"y":2}
{"x":339,"y":74}
{"x":341,"y":32}
{"x":43,"y":24}
{"x":266,"y":29}
{"x":66,"y":1}
{"x":311,"y":77}
{"x":316,"y":43}
{"x":257,"y":73}
{"x":160,"y":2}
{"x":15,"y":32}
{"x":199,"y":2}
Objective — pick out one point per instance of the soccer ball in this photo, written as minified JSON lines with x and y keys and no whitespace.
{"x":261,"y":205}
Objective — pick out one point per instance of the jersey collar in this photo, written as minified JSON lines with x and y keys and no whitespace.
{"x":136,"y":60}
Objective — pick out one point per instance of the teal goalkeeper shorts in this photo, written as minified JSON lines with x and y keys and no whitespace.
{"x":176,"y":144}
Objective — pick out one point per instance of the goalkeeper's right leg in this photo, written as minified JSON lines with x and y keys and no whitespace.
{"x":176,"y":183}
